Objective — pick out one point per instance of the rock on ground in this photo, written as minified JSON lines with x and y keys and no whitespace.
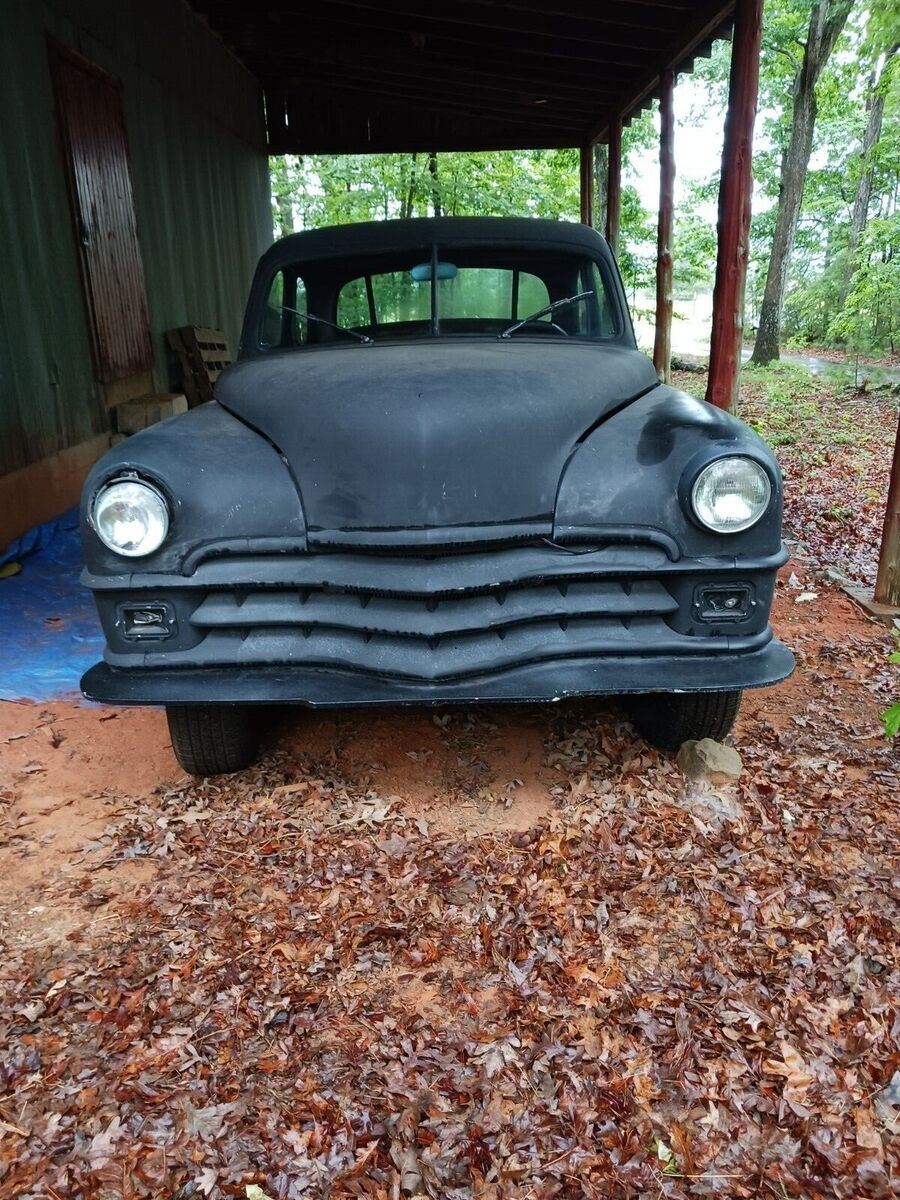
{"x":710,"y":761}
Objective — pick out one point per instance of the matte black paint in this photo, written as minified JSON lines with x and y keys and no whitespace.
{"x":431,"y":435}
{"x":537,"y":682}
{"x":435,"y":521}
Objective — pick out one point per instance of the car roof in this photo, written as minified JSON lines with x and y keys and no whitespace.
{"x":337,"y":241}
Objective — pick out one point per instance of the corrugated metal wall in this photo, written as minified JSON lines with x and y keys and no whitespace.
{"x":198,"y":158}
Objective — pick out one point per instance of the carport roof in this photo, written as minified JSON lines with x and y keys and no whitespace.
{"x":362,"y":76}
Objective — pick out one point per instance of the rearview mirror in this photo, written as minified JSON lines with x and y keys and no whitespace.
{"x":422,"y":272}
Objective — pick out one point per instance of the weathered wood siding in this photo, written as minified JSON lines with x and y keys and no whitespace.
{"x":198,"y":159}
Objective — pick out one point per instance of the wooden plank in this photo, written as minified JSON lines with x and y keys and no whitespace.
{"x":202,"y":334}
{"x":202,"y":355}
{"x":92,"y":125}
{"x":735,"y":192}
{"x":662,"y":344}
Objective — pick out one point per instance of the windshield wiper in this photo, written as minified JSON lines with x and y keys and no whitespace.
{"x":542,"y":312}
{"x":308,"y":316}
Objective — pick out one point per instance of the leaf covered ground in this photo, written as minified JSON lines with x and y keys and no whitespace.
{"x":500,"y":953}
{"x":834,"y":446}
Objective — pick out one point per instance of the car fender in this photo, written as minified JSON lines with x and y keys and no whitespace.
{"x":635,"y":469}
{"x":225,"y":484}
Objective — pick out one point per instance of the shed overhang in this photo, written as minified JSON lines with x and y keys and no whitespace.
{"x":369,"y":76}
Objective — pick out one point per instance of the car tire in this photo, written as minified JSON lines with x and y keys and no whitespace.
{"x":212,"y":739}
{"x":668,"y":719}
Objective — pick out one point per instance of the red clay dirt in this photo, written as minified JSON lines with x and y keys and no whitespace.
{"x":69,"y":769}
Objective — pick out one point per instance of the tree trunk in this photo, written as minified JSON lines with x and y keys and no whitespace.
{"x":281,"y":194}
{"x":435,"y":185}
{"x":825,"y":24}
{"x":285,"y":215}
{"x":871,"y":139}
{"x":408,"y":200}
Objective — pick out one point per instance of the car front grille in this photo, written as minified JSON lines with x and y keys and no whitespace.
{"x":430,"y":618}
{"x":433,"y":637}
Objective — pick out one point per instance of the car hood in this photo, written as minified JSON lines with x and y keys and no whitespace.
{"x":437,"y":442}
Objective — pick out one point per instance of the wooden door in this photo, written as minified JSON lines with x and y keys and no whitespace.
{"x":92,"y":127}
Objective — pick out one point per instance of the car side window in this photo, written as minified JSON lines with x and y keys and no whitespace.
{"x":280,"y":326}
{"x":601,"y":314}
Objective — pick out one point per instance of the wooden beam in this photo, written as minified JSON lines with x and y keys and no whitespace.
{"x":383,"y":31}
{"x":735,"y":190}
{"x":294,"y":60}
{"x":455,"y":74}
{"x":698,"y":27}
{"x":464,"y":102}
{"x":614,"y":184}
{"x":662,"y":343}
{"x":475,"y":18}
{"x":586,"y":182}
{"x":887,"y":584}
{"x":476,"y":14}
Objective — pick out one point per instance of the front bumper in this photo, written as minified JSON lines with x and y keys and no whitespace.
{"x":320,"y":687}
{"x":530,"y":623}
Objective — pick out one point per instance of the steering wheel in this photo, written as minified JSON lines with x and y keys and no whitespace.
{"x":544,"y":325}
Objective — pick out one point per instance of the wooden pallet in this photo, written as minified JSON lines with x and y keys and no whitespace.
{"x":202,"y":355}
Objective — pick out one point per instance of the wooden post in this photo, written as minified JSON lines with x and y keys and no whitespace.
{"x":601,"y":177}
{"x":662,"y":343}
{"x":587,"y":184}
{"x":887,"y":584}
{"x":614,"y":184}
{"x":735,"y":189}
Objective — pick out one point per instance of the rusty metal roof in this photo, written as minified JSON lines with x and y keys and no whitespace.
{"x":358,"y":76}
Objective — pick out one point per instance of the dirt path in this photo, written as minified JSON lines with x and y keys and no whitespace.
{"x":481,"y":953}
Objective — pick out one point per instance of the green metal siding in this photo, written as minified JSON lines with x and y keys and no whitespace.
{"x":198,"y":157}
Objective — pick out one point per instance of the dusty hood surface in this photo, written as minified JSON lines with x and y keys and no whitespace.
{"x":432,"y":436}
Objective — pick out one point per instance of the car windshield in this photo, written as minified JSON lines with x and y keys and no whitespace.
{"x":440,"y":291}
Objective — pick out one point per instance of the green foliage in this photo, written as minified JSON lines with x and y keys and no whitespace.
{"x":791,"y":402}
{"x":694,"y":251}
{"x":837,"y":295}
{"x":891,"y":716}
{"x":870,"y":318}
{"x":323,"y":189}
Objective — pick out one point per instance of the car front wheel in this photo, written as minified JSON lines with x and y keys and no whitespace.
{"x":668,"y":719}
{"x":212,"y":739}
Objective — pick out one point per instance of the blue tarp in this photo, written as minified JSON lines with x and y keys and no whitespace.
{"x":49,"y":632}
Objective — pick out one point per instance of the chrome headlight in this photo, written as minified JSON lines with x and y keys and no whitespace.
{"x":131,"y":517}
{"x":731,"y":494}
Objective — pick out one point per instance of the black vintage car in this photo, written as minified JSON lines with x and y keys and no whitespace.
{"x":439,"y":473}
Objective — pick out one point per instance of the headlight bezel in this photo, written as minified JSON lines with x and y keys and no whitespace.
{"x":150,"y":486}
{"x":701,"y":470}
